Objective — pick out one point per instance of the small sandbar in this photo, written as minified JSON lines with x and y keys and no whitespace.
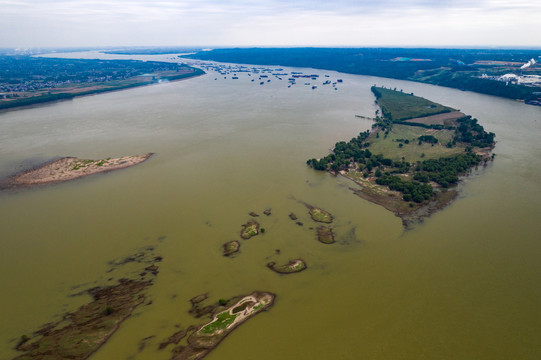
{"x":70,"y":168}
{"x":293,"y":266}
{"x":231,"y":248}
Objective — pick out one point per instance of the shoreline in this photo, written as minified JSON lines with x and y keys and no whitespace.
{"x":70,"y":96}
{"x":68,"y":168}
{"x":409,"y":216}
{"x":416,"y":188}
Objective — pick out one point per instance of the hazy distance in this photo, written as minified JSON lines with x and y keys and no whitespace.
{"x":213,"y":23}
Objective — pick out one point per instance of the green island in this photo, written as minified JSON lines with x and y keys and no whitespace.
{"x":319,"y":215}
{"x":325,"y":235}
{"x":206,"y":337}
{"x":412,"y":159}
{"x":251,"y":228}
{"x":293,"y":266}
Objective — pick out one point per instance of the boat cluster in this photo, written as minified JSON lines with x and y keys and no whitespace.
{"x":263,"y":75}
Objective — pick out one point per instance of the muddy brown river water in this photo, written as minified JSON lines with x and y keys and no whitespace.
{"x":464,"y":284}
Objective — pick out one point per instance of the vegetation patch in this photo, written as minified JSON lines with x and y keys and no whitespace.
{"x":319,"y":215}
{"x":231,"y":247}
{"x":251,"y":228}
{"x":207,"y":336}
{"x":387,"y":144}
{"x":220,"y":323}
{"x":325,"y":235}
{"x":83,"y":331}
{"x":443,"y":119}
{"x":406,"y":167}
{"x":397,"y":105}
{"x":293,"y":266}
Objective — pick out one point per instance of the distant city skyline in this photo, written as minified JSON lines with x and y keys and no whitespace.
{"x":213,"y":23}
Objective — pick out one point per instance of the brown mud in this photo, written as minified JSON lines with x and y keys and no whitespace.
{"x":231,"y":248}
{"x":325,"y":235}
{"x":80,"y":333}
{"x":293,"y":266}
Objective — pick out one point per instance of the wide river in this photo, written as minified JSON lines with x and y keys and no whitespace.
{"x":464,"y":284}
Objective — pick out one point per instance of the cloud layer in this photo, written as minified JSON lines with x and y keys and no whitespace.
{"x":34,"y":23}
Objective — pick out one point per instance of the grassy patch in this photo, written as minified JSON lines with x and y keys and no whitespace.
{"x":320,"y":215}
{"x":445,"y":119}
{"x":257,"y":307}
{"x":222,"y":321}
{"x":412,"y":152}
{"x":249,"y":229}
{"x":396,"y":105}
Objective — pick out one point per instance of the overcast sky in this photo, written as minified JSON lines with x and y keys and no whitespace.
{"x":55,"y":23}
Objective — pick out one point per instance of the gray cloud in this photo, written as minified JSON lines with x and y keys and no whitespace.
{"x":267,"y":22}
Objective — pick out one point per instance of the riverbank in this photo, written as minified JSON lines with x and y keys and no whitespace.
{"x":437,"y":66}
{"x":393,"y":201}
{"x":70,"y":168}
{"x":49,"y":95}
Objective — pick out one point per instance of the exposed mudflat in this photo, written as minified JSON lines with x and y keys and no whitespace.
{"x":80,"y":333}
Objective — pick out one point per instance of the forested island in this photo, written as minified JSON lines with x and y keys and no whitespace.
{"x":500,"y":72}
{"x":413,"y":157}
{"x":27,"y":80}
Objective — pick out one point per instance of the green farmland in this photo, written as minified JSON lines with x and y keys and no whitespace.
{"x":394,"y":146}
{"x":397,"y":105}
